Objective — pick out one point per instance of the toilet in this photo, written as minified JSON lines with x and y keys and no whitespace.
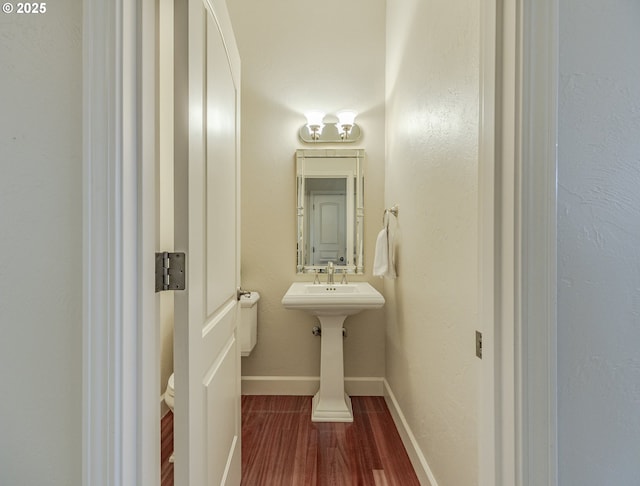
{"x":248,"y":332}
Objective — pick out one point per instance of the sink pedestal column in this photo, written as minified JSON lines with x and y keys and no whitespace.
{"x":331,"y":403}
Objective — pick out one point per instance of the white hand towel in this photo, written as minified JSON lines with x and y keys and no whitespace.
{"x":381,"y":257}
{"x":383,"y":261}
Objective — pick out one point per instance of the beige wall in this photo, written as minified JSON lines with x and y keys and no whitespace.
{"x":41,"y":242}
{"x":298,"y":55}
{"x":431,"y":172}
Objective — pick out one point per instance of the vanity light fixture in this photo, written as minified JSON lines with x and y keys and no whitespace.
{"x":316,"y":131}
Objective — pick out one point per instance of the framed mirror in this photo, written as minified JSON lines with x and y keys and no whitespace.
{"x":330,"y":209}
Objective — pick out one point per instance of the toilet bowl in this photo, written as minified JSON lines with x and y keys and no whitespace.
{"x":169,"y":399}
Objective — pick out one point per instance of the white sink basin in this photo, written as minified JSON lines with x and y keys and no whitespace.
{"x":331,"y":304}
{"x":332,"y":299}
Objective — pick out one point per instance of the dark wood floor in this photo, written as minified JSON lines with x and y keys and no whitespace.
{"x":282,"y":447}
{"x":166,"y":448}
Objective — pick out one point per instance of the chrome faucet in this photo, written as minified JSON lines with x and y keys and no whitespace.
{"x":330,"y":273}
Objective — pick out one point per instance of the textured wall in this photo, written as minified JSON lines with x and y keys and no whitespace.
{"x":41,"y":242}
{"x":599,"y":243}
{"x":299,"y":55}
{"x":431,"y":172}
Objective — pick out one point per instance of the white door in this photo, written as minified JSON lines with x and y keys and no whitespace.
{"x":328,"y":229}
{"x":207,"y":355}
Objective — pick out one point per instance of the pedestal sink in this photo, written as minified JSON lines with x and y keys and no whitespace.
{"x":331,"y":304}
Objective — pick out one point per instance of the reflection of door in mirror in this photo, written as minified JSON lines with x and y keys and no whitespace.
{"x":326,"y":223}
{"x":329,"y":195}
{"x":327,"y":233}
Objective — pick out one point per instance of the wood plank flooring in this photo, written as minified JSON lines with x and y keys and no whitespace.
{"x":166,"y":448}
{"x":282,"y":447}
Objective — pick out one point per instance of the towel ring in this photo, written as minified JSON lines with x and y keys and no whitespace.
{"x":393,"y":210}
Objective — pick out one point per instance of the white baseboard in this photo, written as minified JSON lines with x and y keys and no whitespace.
{"x":163,"y":406}
{"x":308,"y":385}
{"x":359,"y":386}
{"x":418,"y":461}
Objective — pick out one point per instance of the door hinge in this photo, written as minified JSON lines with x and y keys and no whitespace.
{"x":170,"y":271}
{"x":479,"y":344}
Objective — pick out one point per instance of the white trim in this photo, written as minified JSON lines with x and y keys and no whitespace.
{"x":498,"y":254}
{"x":164,"y":408}
{"x":308,"y":385}
{"x":507,"y":321}
{"x":517,"y":434}
{"x":364,"y":387}
{"x":538,"y":243}
{"x":101,"y":259}
{"x":487,"y":420}
{"x":418,"y":461}
{"x":117,"y":412}
{"x":148,"y":330}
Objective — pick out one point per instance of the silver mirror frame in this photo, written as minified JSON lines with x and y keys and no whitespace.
{"x":354,"y":163}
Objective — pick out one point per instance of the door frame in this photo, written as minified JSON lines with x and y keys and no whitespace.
{"x":121,"y":389}
{"x":517,"y":438}
{"x":519,"y":46}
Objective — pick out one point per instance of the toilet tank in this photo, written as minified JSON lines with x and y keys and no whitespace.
{"x":248,"y":322}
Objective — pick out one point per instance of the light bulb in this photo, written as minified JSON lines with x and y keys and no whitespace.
{"x":346,"y":120}
{"x":346,"y":117}
{"x":314,"y":123}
